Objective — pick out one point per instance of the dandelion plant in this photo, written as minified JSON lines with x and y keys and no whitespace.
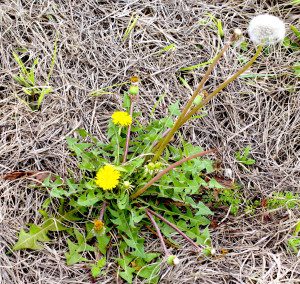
{"x":137,"y":181}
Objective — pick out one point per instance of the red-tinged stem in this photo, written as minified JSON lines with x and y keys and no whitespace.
{"x":176,"y":229}
{"x":104,"y":204}
{"x":158,"y":232}
{"x":169,"y":168}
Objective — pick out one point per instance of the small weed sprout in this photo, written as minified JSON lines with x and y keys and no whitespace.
{"x":135,"y":181}
{"x":27,"y":79}
{"x":243,"y":156}
{"x":294,"y":241}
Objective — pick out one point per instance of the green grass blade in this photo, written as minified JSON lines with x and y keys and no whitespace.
{"x":295,"y":30}
{"x":31,"y":73}
{"x":295,"y":2}
{"x":103,"y":91}
{"x":171,"y":46}
{"x":45,"y":91}
{"x":196,"y":66}
{"x":185,"y":84}
{"x":161,"y":97}
{"x":53,"y":59}
{"x":20,"y":63}
{"x":131,"y":25}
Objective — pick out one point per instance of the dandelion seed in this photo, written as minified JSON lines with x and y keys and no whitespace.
{"x":107,"y":177}
{"x":266,"y":29}
{"x":121,"y":118}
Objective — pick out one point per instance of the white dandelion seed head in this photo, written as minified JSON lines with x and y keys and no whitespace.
{"x":266,"y":29}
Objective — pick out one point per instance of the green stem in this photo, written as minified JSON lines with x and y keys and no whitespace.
{"x":128,"y":133}
{"x":222,"y":86}
{"x":162,"y":145}
{"x":169,"y":168}
{"x":118,"y":135}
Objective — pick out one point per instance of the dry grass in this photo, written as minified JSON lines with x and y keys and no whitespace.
{"x":262,"y":112}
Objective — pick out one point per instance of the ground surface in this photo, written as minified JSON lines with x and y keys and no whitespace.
{"x":262,"y":112}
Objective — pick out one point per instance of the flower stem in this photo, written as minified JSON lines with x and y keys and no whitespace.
{"x":104,"y":204}
{"x":158,"y":232}
{"x":156,"y":143}
{"x":178,"y":123}
{"x":118,"y":135}
{"x":169,"y":168}
{"x":128,"y":132}
{"x":222,"y":86}
{"x":169,"y":243}
{"x":175,"y":228}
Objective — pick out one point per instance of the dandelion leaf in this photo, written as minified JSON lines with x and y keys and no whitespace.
{"x":37,"y":235}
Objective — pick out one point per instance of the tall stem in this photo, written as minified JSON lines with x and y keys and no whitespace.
{"x":169,"y":168}
{"x":158,"y":232}
{"x":128,"y":132}
{"x":223,"y":85}
{"x":176,"y":229}
{"x":166,"y":140}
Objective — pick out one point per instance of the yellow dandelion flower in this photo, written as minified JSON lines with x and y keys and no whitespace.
{"x":134,"y":79}
{"x":98,"y":225}
{"x":107,"y":177}
{"x":121,"y":118}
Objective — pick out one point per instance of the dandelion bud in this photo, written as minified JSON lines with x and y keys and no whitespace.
{"x":266,"y":29}
{"x":151,"y":166}
{"x":209,"y":251}
{"x":158,"y":165}
{"x":173,"y":260}
{"x":133,"y":90}
{"x":126,"y":184}
{"x":197,"y":100}
{"x":213,"y":251}
{"x":237,"y":33}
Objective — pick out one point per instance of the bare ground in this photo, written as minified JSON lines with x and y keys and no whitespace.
{"x":262,"y":112}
